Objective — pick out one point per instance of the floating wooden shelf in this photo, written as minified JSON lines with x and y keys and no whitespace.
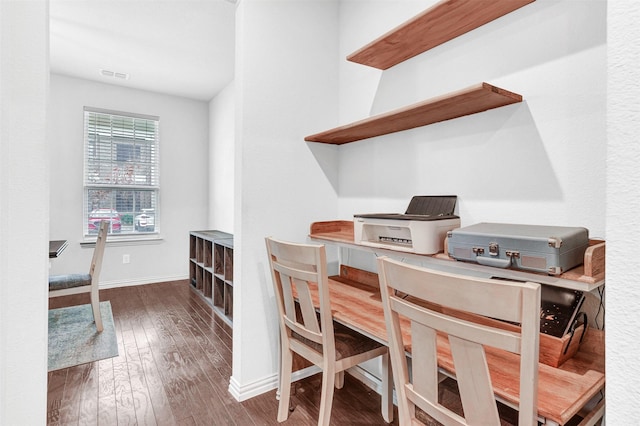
{"x":440,"y":23}
{"x":472,"y":100}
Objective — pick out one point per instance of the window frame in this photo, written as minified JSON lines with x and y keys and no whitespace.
{"x":106,"y":184}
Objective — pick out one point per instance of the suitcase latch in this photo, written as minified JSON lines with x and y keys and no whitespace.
{"x":478,"y":250}
{"x":555,"y":242}
{"x":493,"y":249}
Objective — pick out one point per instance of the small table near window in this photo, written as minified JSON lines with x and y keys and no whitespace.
{"x":56,"y":247}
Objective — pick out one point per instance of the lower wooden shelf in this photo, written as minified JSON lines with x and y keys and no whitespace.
{"x":472,"y":100}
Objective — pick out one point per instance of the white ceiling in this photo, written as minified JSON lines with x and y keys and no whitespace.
{"x":178,"y":47}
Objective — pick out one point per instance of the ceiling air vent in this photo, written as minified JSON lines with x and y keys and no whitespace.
{"x":113,"y":74}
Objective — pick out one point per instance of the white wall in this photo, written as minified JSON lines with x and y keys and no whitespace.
{"x":183,"y":179}
{"x":24,"y":212}
{"x":222,"y":113}
{"x":286,"y":80}
{"x":623,"y":221}
{"x":540,"y":161}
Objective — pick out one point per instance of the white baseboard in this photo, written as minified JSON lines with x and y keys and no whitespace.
{"x":242,"y":393}
{"x":369,"y":380}
{"x":140,"y":281}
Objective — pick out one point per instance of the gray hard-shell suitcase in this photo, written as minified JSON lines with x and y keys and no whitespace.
{"x":550,"y":249}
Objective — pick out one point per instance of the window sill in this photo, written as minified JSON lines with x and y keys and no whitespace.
{"x":128,"y":240}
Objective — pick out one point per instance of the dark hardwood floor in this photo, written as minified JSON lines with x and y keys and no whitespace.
{"x":173,"y":368}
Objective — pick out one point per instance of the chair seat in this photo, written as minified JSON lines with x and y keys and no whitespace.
{"x":61,"y":282}
{"x":348,"y":342}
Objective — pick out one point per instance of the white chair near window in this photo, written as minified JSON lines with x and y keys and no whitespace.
{"x":68,"y":284}
{"x":427,"y":298}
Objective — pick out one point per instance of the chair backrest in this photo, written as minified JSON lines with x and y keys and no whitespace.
{"x":429,"y":299}
{"x":299,"y":270}
{"x":98,"y":252}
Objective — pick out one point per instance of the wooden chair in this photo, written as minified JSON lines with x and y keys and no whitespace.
{"x":426,"y":297}
{"x":65,"y":285}
{"x":298,"y":270}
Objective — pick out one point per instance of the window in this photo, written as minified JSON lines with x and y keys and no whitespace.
{"x":121,"y":172}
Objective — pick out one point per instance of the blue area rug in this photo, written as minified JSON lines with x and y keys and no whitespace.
{"x":73,"y":339}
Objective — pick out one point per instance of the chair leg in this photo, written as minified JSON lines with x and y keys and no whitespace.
{"x":285,"y":384}
{"x":387,"y":389}
{"x":326,"y":399}
{"x":97,"y":316}
{"x":340,"y":379}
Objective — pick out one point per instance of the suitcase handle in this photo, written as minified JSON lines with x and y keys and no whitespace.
{"x":489,"y":261}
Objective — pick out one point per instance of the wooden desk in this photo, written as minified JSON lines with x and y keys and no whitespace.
{"x":56,"y":247}
{"x":586,"y":277}
{"x":562,"y":392}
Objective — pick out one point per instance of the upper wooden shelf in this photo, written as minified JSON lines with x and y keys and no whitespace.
{"x":440,"y":23}
{"x":472,"y":100}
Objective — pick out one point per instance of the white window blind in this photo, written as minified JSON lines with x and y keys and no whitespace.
{"x":121,"y":173}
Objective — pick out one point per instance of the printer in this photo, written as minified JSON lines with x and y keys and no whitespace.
{"x":421,"y":229}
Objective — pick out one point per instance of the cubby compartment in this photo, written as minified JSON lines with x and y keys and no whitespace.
{"x":199,"y":277}
{"x":192,"y":247}
{"x":218,"y":267}
{"x":192,"y":272}
{"x":228,"y":264}
{"x":228,"y":301}
{"x":207,"y":282}
{"x":211,"y":270}
{"x":218,"y":293}
{"x":208,"y":255}
{"x":199,"y":250}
